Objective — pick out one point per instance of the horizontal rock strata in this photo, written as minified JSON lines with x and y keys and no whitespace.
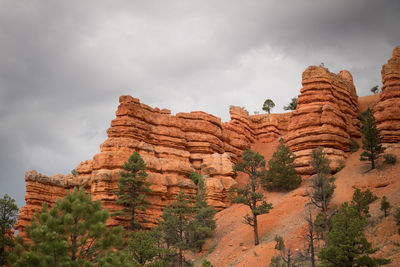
{"x":173,"y":146}
{"x":326,"y":116}
{"x":387,"y":111}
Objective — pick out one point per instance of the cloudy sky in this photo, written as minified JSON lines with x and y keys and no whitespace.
{"x":63,"y":64}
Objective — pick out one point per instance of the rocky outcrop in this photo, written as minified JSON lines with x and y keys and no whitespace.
{"x":173,"y":146}
{"x":243,"y":130}
{"x":387,"y":111}
{"x":44,"y":189}
{"x":326,"y":116}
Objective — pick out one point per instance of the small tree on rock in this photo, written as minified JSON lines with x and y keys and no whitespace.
{"x":268,"y":105}
{"x":371,"y":142}
{"x":375,"y":89}
{"x":281,"y":175}
{"x":132,"y":189}
{"x":253,"y":164}
{"x":8,"y":217}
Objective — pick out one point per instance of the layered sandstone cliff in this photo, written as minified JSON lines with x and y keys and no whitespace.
{"x":44,"y":189}
{"x":326,"y":116}
{"x":387,"y":111}
{"x":173,"y":146}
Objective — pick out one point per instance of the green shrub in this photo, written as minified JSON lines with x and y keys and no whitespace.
{"x":354,"y":145}
{"x":390,"y":159}
{"x":206,"y":263}
{"x":397,"y":216}
{"x":341,"y":166}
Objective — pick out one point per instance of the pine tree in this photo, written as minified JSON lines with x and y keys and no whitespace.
{"x":286,"y":255}
{"x":371,"y":142}
{"x":281,"y":175}
{"x":311,"y":237}
{"x":143,"y":249}
{"x":8,"y":217}
{"x":361,"y":202}
{"x":203,"y":224}
{"x":176,"y":220}
{"x":385,"y":205}
{"x":292,"y":105}
{"x":71,"y":233}
{"x":323,"y":186}
{"x":132,"y":189}
{"x":268,"y":105}
{"x":206,"y":263}
{"x":253,"y":164}
{"x":347,"y":243}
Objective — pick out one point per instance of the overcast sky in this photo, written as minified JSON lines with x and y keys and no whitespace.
{"x":63,"y":64}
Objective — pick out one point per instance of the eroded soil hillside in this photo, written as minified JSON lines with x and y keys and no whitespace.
{"x":233,"y":244}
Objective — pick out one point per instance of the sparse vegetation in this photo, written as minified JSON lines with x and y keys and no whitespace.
{"x":390,"y":159}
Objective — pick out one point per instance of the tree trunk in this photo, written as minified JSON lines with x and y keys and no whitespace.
{"x":372,"y":163}
{"x":2,"y":256}
{"x":132,"y":224}
{"x":255,"y":228}
{"x":180,"y":258}
{"x":311,"y":239}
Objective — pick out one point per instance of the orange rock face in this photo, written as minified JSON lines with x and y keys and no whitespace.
{"x":326,"y":116}
{"x":173,"y":146}
{"x":44,"y":189}
{"x":387,"y":111}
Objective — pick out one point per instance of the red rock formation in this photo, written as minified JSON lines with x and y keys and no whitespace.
{"x":44,"y":189}
{"x":326,"y":116}
{"x":387,"y":111}
{"x":173,"y":146}
{"x":366,"y":102}
{"x":244,"y":130}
